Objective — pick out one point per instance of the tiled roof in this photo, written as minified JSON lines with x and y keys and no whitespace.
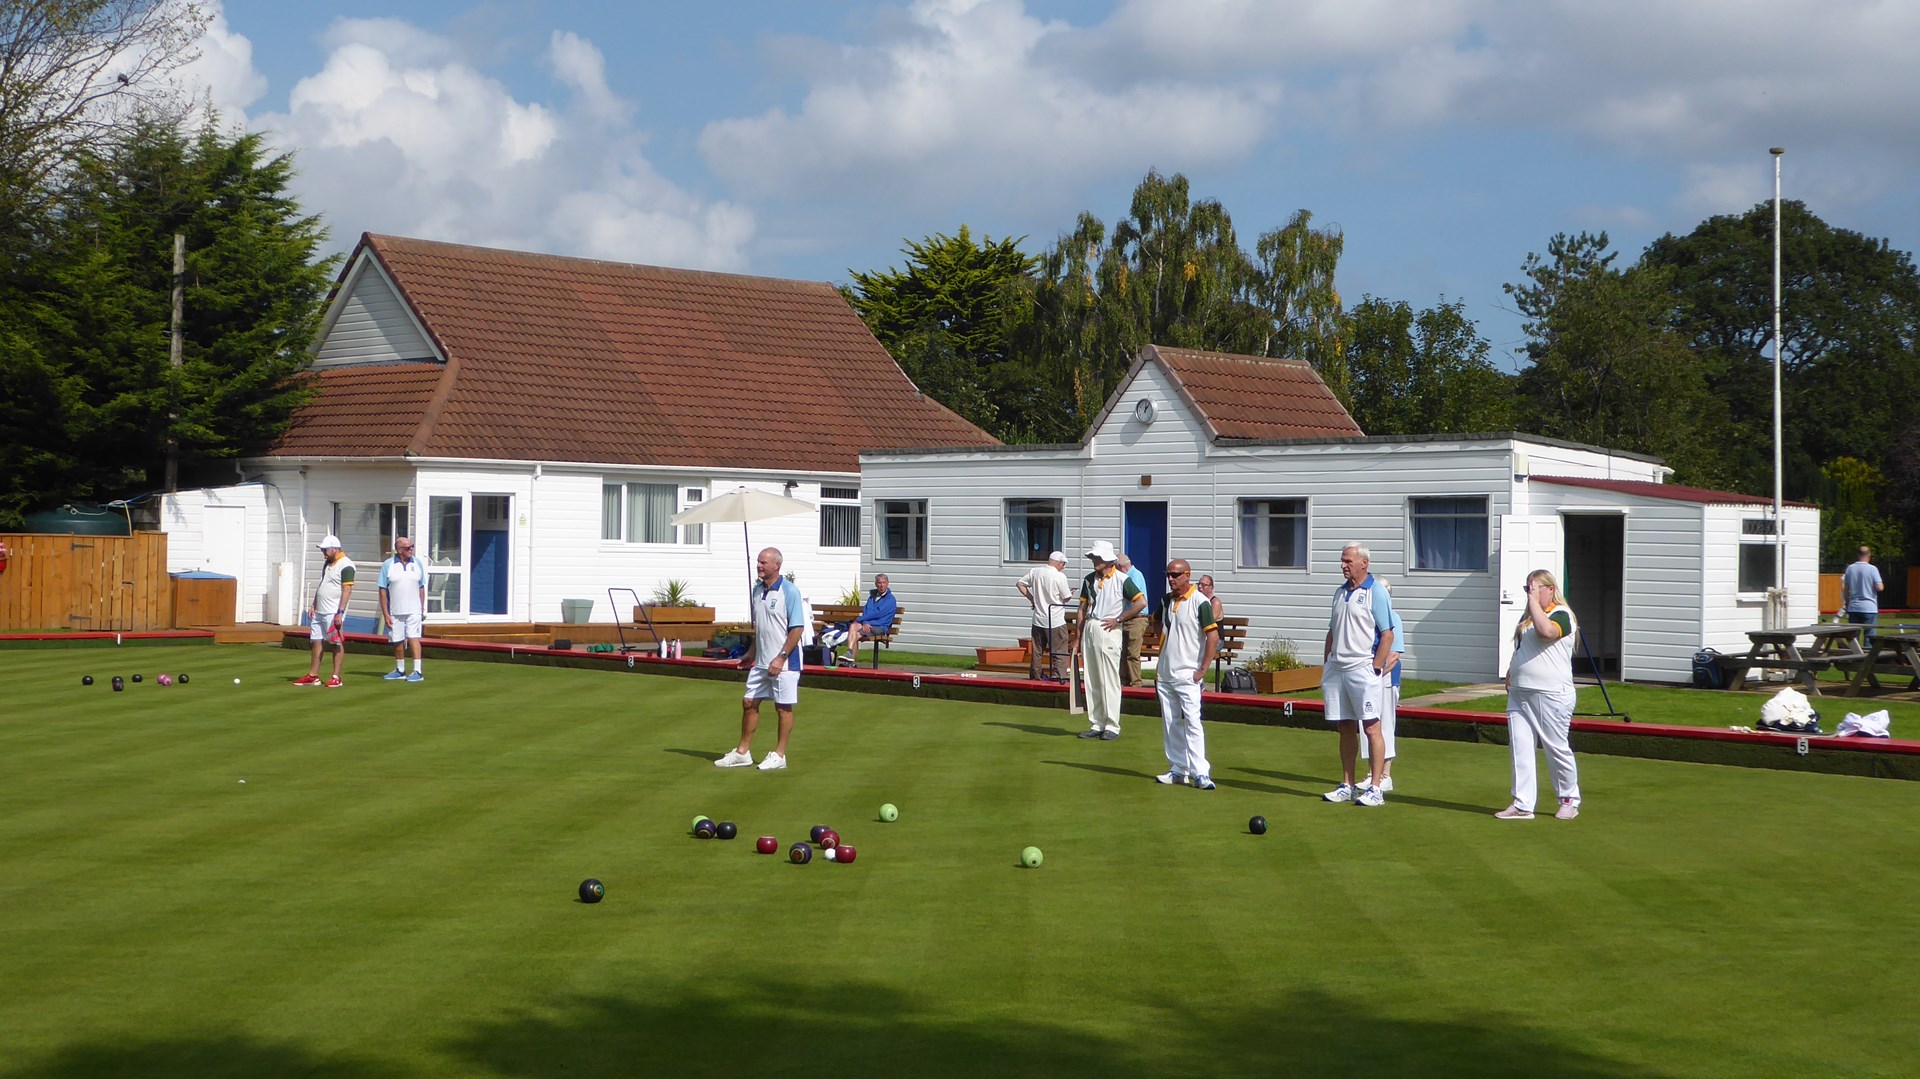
{"x":1258,"y":397}
{"x":566,"y":359}
{"x":1672,"y":491}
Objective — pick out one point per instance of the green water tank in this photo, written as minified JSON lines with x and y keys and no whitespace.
{"x":79,"y":521}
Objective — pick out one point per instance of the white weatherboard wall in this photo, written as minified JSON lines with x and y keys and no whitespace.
{"x":185,"y":518}
{"x":371,"y":324}
{"x":555,"y":547}
{"x":1679,"y":558}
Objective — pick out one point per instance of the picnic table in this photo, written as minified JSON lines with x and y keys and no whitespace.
{"x":1895,"y":653}
{"x":1829,"y":645}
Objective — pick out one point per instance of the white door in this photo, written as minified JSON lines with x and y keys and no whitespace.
{"x":1526,"y":544}
{"x":223,"y":548}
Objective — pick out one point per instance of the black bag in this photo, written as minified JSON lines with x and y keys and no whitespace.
{"x":1706,"y":670}
{"x":1237,"y":680}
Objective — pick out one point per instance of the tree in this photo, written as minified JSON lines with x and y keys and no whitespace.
{"x":1850,"y":321}
{"x":72,"y":73}
{"x":1607,"y":369}
{"x":93,"y":330}
{"x":947,"y":319}
{"x":1294,"y":287}
{"x":1424,"y":373}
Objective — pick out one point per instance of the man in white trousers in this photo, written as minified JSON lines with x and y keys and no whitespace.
{"x":1107,"y":599}
{"x":1359,"y":645}
{"x":1189,"y":636}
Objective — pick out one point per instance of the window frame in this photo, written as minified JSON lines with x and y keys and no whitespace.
{"x":882,"y":522}
{"x":617,"y":528}
{"x":1764,"y":538}
{"x":840,"y":500}
{"x":1303,"y":532}
{"x":1036,"y":555}
{"x":1415,"y":518}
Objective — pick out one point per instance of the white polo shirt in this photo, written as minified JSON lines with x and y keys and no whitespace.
{"x":402,"y":581}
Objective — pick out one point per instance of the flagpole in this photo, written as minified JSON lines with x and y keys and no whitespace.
{"x":1779,"y":522}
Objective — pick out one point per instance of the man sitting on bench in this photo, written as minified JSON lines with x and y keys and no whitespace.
{"x":875,"y":618}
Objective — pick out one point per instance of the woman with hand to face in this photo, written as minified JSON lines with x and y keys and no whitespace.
{"x":1540,"y":699}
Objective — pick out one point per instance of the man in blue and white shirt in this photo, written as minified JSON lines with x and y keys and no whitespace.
{"x":1358,"y":653}
{"x":403,"y":606}
{"x":772,"y":661}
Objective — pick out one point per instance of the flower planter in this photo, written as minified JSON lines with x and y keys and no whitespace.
{"x":992,"y":656}
{"x":672,"y":616}
{"x":1286,"y":681}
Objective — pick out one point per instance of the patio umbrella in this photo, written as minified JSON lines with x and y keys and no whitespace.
{"x":744,"y":505}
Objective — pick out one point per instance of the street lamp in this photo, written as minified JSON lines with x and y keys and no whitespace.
{"x":1779,"y":523}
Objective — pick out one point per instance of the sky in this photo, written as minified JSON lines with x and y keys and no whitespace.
{"x":1445,"y":139}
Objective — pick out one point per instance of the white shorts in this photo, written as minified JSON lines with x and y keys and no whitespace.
{"x":1351,"y":693}
{"x":317,"y":629}
{"x":783,"y":690}
{"x":404,"y":627}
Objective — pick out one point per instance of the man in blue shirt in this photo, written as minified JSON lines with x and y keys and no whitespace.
{"x":1135,"y":628}
{"x":875,"y":617}
{"x":772,"y":662}
{"x":1860,"y":587}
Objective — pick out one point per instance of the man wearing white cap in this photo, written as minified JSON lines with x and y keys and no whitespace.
{"x":327,"y":614}
{"x":1049,"y":592}
{"x":1107,"y":599}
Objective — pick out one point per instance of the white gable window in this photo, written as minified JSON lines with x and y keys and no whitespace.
{"x":643,"y":512}
{"x":1450,"y":533}
{"x":692,"y":535}
{"x":1034,"y":528}
{"x":1759,"y":555}
{"x":900,"y":530}
{"x":1273,"y":533}
{"x":839,"y":517}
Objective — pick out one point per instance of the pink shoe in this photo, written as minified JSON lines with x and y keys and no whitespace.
{"x":1514,"y":812}
{"x":1567,"y":810}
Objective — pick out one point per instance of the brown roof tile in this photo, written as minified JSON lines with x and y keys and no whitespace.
{"x":566,"y":359}
{"x":1257,"y":396}
{"x":1671,"y":491}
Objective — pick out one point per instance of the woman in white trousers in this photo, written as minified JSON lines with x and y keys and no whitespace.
{"x":1540,"y":698}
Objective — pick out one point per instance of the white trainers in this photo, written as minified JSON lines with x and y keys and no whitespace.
{"x":734,"y":759}
{"x":1203,"y":783}
{"x":1514,"y":812}
{"x":1371,"y":796}
{"x":1386,"y":785}
{"x":1567,"y":810}
{"x":772,"y":762}
{"x":1342,"y":793}
{"x":1172,"y":779}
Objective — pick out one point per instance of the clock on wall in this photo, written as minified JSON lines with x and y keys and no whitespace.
{"x":1145,"y":411}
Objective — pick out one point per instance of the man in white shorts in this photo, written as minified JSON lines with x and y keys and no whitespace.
{"x":403,"y":607}
{"x":1359,"y":647}
{"x":327,"y":614}
{"x":772,"y":662}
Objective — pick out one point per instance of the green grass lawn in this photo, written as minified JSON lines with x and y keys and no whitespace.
{"x":1711,"y":707}
{"x":391,"y":892}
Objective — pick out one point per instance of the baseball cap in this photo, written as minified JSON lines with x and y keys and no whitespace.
{"x":1057,"y":556}
{"x":330,"y":541}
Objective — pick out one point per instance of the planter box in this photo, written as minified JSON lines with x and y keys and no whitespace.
{"x":672,"y":616}
{"x":1286,"y":681}
{"x":1000,"y":655}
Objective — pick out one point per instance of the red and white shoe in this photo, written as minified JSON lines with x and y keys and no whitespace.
{"x":307,"y":680}
{"x":334,"y":682}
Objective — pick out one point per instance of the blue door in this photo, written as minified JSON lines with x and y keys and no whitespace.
{"x":489,"y":572}
{"x":1144,"y":528}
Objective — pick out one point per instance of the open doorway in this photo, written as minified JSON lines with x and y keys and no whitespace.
{"x":1596,"y":546}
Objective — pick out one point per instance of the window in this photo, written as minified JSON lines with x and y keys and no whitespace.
{"x":1034,"y":529}
{"x":393,"y":522}
{"x":693,"y":535}
{"x":901,"y":532}
{"x":643,"y":512}
{"x":1759,"y":557}
{"x":1450,"y":533}
{"x":1273,"y":533}
{"x":446,"y":554}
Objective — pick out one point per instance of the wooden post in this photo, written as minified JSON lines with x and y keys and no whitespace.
{"x":174,"y":356}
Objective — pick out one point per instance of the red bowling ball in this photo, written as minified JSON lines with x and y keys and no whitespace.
{"x":766,"y":844}
{"x":844,"y":854}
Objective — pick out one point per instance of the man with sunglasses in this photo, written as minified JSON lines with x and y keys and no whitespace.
{"x":403,"y":607}
{"x":1189,"y":636}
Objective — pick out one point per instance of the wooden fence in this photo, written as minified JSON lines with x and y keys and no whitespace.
{"x":114,"y":583}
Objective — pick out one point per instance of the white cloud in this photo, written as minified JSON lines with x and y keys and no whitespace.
{"x":968,"y":95}
{"x":398,"y":132}
{"x":223,"y":73}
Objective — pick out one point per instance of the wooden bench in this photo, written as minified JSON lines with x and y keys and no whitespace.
{"x":1233,"y":638}
{"x":832,"y":614}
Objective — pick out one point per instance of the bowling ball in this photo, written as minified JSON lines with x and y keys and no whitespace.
{"x":844,"y":854}
{"x":86,"y":679}
{"x":705,"y":830}
{"x":1258,"y":826}
{"x":829,"y":838}
{"x":766,"y":844}
{"x":592,"y":891}
{"x":800,"y":854}
{"x":727,"y":829}
{"x":818,"y":831}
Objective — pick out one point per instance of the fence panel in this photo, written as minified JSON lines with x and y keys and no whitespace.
{"x":110,"y":583}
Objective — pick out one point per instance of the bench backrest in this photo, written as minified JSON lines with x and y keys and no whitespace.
{"x":828,"y":614}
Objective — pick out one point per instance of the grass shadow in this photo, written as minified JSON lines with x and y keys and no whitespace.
{"x":697,"y":754}
{"x":878,"y":1029}
{"x":1105,"y":769}
{"x":230,"y":1055}
{"x":1030,"y":728}
{"x":1395,"y":798}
